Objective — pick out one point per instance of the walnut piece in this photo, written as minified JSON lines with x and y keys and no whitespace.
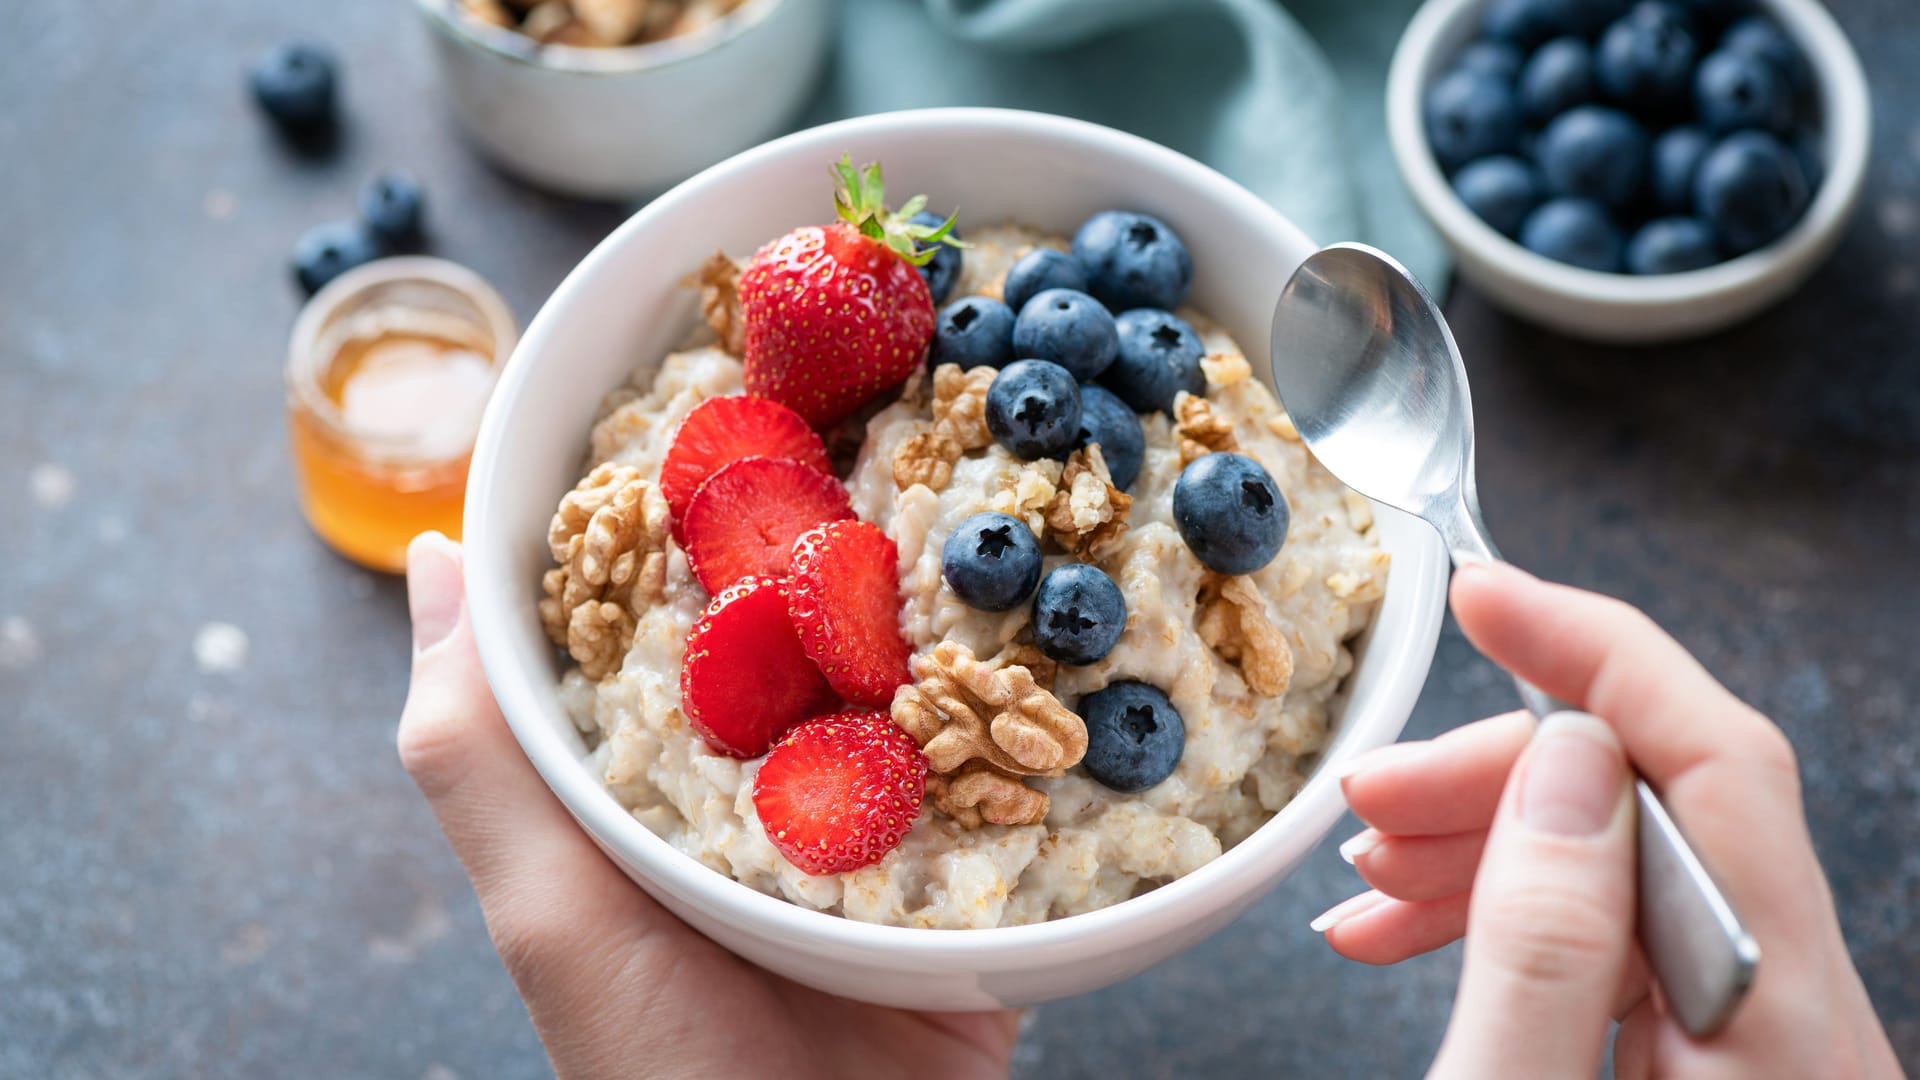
{"x":1088,"y":515}
{"x":491,"y":12}
{"x":980,"y":793}
{"x":719,"y":280}
{"x":1233,"y":622}
{"x":1042,"y":667}
{"x":965,"y":714}
{"x":616,"y":21}
{"x":1225,"y":369}
{"x":1198,"y":429}
{"x":609,"y":536}
{"x":959,"y":425}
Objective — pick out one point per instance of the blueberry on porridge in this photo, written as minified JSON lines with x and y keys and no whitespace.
{"x":875,"y":610}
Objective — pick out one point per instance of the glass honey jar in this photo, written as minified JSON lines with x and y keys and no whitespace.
{"x":388,"y":371}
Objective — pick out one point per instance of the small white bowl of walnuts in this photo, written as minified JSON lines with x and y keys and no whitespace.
{"x":618,"y":99}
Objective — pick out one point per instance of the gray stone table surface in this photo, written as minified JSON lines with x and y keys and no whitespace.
{"x":211,"y":863}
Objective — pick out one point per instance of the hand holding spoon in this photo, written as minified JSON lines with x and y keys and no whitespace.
{"x":1370,"y":375}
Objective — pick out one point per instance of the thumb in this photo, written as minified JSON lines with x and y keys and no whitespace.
{"x":1550,"y":927}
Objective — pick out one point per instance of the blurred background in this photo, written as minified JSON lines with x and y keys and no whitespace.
{"x":211,"y":863}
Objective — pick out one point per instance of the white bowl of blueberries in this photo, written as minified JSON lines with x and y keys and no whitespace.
{"x":1631,"y":171}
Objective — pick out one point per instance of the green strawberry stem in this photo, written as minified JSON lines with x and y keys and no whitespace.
{"x":860,"y":195}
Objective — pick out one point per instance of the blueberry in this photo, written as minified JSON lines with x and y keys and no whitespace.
{"x":1133,"y":260}
{"x":1733,"y":90}
{"x":1134,"y":735}
{"x":1069,"y":328}
{"x":1107,"y":420}
{"x":1078,"y":614}
{"x":1751,"y":189}
{"x":973,"y":331}
{"x":1500,"y":191}
{"x":1557,"y":77}
{"x":1808,"y":150}
{"x":1758,"y":35}
{"x":1587,"y":18}
{"x":1671,"y":245}
{"x":1670,"y":167}
{"x":944,"y":269}
{"x":1039,"y":270}
{"x":1525,"y":23}
{"x":991,"y":562}
{"x":1470,"y":115}
{"x":394,"y":208}
{"x":1033,"y":409}
{"x":1496,"y":58}
{"x":1645,"y":59}
{"x":1159,"y":357}
{"x":324,"y":252}
{"x":1573,"y":231}
{"x":294,"y":83}
{"x":1711,"y":15}
{"x":1593,"y":152}
{"x":1230,"y":513}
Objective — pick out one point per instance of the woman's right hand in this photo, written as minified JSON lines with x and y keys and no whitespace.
{"x":1458,"y":842}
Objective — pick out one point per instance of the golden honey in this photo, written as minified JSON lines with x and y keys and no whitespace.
{"x":387,"y":375}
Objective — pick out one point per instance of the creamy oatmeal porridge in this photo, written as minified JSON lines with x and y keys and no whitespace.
{"x":1252,"y":663}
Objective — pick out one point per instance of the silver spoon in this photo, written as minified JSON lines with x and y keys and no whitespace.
{"x":1368,"y":370}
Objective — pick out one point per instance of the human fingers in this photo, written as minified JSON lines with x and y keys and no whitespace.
{"x":1374,"y":928}
{"x":1550,"y":926}
{"x":1445,"y":785}
{"x":1416,"y":867}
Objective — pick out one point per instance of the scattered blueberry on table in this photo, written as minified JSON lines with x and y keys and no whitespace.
{"x":991,"y":561}
{"x":1078,"y":614}
{"x":294,"y":84}
{"x":1646,"y":137}
{"x":394,"y":208}
{"x":326,"y":251}
{"x":1134,"y":735}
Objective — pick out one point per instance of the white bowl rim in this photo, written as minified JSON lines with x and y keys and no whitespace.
{"x":578,"y":60}
{"x":1846,"y":124}
{"x":1312,"y":811}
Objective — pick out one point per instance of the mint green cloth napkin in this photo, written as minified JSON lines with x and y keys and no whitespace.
{"x":1286,"y":98}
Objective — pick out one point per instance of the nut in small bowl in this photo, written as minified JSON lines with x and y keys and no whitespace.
{"x":618,"y":99}
{"x":1618,"y":307}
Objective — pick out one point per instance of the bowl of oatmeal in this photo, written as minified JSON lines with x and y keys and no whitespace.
{"x":1029,"y":860}
{"x":618,"y":99}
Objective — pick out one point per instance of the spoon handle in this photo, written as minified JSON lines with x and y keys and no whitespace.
{"x":1702,"y":955}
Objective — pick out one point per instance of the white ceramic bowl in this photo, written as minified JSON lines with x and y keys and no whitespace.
{"x":628,"y":122}
{"x":1620,"y":308}
{"x":625,"y":305}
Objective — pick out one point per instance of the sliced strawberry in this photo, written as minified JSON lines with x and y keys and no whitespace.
{"x":744,"y":518}
{"x":722,"y":430}
{"x":746,"y":680}
{"x":840,"y":791}
{"x":843,"y":586}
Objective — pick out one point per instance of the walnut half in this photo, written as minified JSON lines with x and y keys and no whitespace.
{"x":609,"y":538}
{"x":974,"y":721}
{"x":1088,"y":515}
{"x":1233,"y":622}
{"x":959,"y":425}
{"x":1199,"y":430}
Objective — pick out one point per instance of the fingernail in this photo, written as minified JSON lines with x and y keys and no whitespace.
{"x":434,"y":593}
{"x":1347,"y":909}
{"x":1379,"y":756}
{"x":1359,"y":844}
{"x":1574,"y":775}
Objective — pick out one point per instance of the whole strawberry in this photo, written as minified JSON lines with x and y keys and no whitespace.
{"x":836,"y":315}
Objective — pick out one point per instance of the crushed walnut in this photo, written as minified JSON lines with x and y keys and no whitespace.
{"x":1088,"y":515}
{"x":1026,"y":492}
{"x":719,"y":281}
{"x":600,"y":23}
{"x":1199,"y":429}
{"x":974,"y":720}
{"x":959,"y":425}
{"x":1225,"y":369}
{"x":609,"y":537}
{"x":1233,"y":622}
